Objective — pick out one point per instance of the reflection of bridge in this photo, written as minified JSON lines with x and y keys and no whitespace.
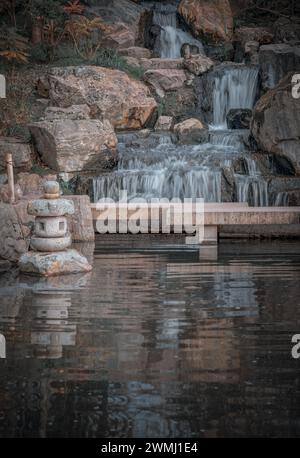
{"x":212,"y":217}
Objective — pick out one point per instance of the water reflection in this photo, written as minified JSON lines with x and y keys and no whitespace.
{"x":155,"y":342}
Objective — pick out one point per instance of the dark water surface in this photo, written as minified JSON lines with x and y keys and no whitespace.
{"x":155,"y":343}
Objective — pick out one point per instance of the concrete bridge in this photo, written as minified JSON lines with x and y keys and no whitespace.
{"x":212,"y":217}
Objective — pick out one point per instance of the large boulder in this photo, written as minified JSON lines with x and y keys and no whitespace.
{"x":287,"y":29}
{"x":126,"y":20}
{"x":74,"y":112}
{"x":70,"y":146}
{"x":164,"y":123}
{"x":276,"y":60}
{"x":198,"y":64}
{"x":21,"y":153}
{"x":209,"y":18}
{"x":191,"y":131}
{"x":50,"y":264}
{"x":164,"y":80}
{"x":239,"y":118}
{"x":110,"y":94}
{"x":276,"y":125}
{"x":136,"y":52}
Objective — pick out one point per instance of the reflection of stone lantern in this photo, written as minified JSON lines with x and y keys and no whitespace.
{"x":51,"y":237}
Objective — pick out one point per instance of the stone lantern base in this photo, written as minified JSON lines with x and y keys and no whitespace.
{"x":50,"y":264}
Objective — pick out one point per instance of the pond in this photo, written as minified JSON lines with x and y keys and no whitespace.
{"x":155,"y":342}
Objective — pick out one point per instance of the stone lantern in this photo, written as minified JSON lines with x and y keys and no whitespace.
{"x":51,"y":240}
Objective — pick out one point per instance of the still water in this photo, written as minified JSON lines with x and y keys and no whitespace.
{"x":155,"y":342}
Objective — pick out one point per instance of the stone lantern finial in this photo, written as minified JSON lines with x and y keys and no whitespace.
{"x":51,"y":238}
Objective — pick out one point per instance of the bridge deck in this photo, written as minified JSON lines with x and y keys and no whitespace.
{"x":215,"y":214}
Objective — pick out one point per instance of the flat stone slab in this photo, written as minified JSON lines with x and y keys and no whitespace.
{"x":50,"y":264}
{"x":55,"y":207}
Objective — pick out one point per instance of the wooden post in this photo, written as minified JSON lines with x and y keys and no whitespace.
{"x":10,"y":175}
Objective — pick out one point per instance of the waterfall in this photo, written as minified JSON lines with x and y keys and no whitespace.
{"x":154,"y":167}
{"x":252,"y":188}
{"x":235,"y":88}
{"x":165,"y":171}
{"x":165,"y":15}
{"x":229,"y":138}
{"x":171,"y":38}
{"x":282,"y":200}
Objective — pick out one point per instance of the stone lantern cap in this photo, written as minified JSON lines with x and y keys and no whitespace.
{"x":51,"y":205}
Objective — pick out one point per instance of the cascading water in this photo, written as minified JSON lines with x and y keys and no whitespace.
{"x":171,"y":38}
{"x":282,"y":199}
{"x":235,"y":88}
{"x":252,"y":187}
{"x":162,"y":169}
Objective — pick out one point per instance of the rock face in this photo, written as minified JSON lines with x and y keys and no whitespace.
{"x":263,"y":35}
{"x":136,"y":52}
{"x":198,"y":64}
{"x":239,"y":118}
{"x":81,"y":222}
{"x":126,"y":19}
{"x":50,"y":264}
{"x":110,"y":94}
{"x":74,"y":112}
{"x":276,"y":125}
{"x":276,"y":61}
{"x":12,"y":238}
{"x":21,"y":154}
{"x":68,"y":146}
{"x":211,"y":18}
{"x":285,"y":190}
{"x":287,"y":29}
{"x":159,"y":64}
{"x":191,"y":131}
{"x":163,"y":80}
{"x":32,"y":184}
